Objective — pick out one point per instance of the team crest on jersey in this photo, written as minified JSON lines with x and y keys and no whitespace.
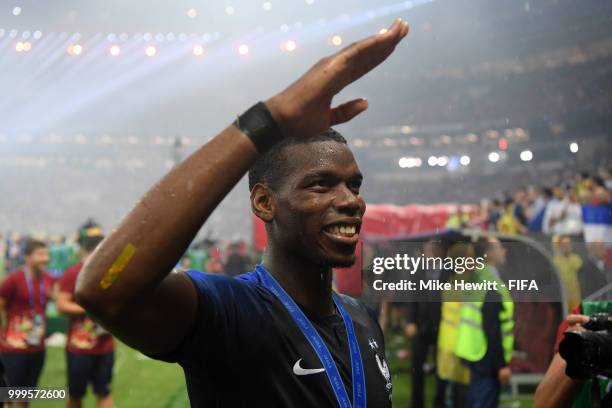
{"x":384,"y":370}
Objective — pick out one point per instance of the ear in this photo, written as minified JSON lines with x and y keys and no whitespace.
{"x":263,"y":204}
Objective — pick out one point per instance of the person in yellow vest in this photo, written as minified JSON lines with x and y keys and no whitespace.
{"x":568,"y":263}
{"x":449,"y":367}
{"x":508,"y":223}
{"x":485,"y":337}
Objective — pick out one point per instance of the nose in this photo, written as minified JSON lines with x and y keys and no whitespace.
{"x":346,"y":201}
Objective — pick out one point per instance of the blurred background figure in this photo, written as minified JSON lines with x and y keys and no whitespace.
{"x":485,"y":336}
{"x":24,"y":294}
{"x":422,"y":322}
{"x":89,"y":348}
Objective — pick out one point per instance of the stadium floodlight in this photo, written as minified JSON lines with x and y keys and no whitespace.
{"x":198,"y":50}
{"x":465,"y":160}
{"x":432,"y":161}
{"x":243,"y":49}
{"x":442,"y":161}
{"x":526,"y":155}
{"x":150,"y":51}
{"x":573,"y":147}
{"x":494,"y":157}
{"x":289,"y":45}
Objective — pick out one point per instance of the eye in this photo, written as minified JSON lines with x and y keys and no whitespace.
{"x":321,"y":183}
{"x":355,"y":186}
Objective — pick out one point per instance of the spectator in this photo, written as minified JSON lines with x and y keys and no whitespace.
{"x":89,"y":348}
{"x":508,"y":223}
{"x":423,"y":320}
{"x":566,"y":216}
{"x":485,"y":335}
{"x":568,"y":263}
{"x":23,"y":296}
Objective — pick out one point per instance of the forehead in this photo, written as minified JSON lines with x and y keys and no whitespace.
{"x":40,"y":251}
{"x":325,"y":156}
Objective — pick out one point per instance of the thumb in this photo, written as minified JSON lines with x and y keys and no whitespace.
{"x":347,"y":111}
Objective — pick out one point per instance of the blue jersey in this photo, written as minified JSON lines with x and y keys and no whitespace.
{"x":245,"y":350}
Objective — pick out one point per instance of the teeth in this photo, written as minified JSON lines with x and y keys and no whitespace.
{"x":346,"y":230}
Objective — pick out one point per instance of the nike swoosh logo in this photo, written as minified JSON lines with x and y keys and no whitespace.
{"x":297,"y":370}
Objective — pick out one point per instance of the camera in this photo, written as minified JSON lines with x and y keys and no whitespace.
{"x":589,"y":353}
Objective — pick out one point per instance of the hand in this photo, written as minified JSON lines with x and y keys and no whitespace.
{"x":576,"y":321}
{"x":304,"y":108}
{"x":410,"y":329}
{"x":504,"y":374}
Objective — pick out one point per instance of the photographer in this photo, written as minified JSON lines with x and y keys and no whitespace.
{"x":558,"y":389}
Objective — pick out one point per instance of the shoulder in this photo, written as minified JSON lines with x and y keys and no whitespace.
{"x":358,"y":306}
{"x":222,"y":289}
{"x":70,"y":273}
{"x":13,"y":277}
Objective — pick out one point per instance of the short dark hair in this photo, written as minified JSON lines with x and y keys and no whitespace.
{"x":32,"y":245}
{"x":481,"y":247}
{"x":90,"y":243}
{"x":271,"y":167}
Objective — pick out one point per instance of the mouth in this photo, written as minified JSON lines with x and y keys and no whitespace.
{"x":343,"y":232}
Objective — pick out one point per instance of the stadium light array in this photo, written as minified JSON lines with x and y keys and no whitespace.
{"x":409,"y":162}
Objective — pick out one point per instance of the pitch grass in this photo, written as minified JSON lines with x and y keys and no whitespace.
{"x":142,"y":382}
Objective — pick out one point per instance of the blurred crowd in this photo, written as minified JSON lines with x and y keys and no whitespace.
{"x":214,"y":256}
{"x":547,"y":209}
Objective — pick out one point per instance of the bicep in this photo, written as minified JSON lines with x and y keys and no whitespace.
{"x":157,"y":322}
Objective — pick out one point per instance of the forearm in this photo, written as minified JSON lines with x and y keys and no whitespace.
{"x":556,"y":389}
{"x":163,"y":223}
{"x":70,"y":308}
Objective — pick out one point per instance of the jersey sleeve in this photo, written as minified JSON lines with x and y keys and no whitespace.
{"x":226,"y":311}
{"x":68,"y":281}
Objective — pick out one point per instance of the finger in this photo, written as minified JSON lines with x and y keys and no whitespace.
{"x":574,"y":319}
{"x":361,"y":57}
{"x":347,"y":111}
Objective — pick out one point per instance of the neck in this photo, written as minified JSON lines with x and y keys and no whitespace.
{"x":308,"y":285}
{"x":33,"y":271}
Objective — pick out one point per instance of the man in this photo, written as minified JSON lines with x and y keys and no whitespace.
{"x":246,"y":342}
{"x":23,"y":297}
{"x":89,"y":348}
{"x":485,"y":335}
{"x":569,"y":264}
{"x":423,"y":320}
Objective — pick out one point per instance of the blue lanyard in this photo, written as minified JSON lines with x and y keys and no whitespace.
{"x":29,"y":284}
{"x":317,"y":343}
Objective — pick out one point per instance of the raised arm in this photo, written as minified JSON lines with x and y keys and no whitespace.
{"x":127,"y":285}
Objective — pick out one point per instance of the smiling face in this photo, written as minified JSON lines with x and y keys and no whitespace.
{"x":317,"y":212}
